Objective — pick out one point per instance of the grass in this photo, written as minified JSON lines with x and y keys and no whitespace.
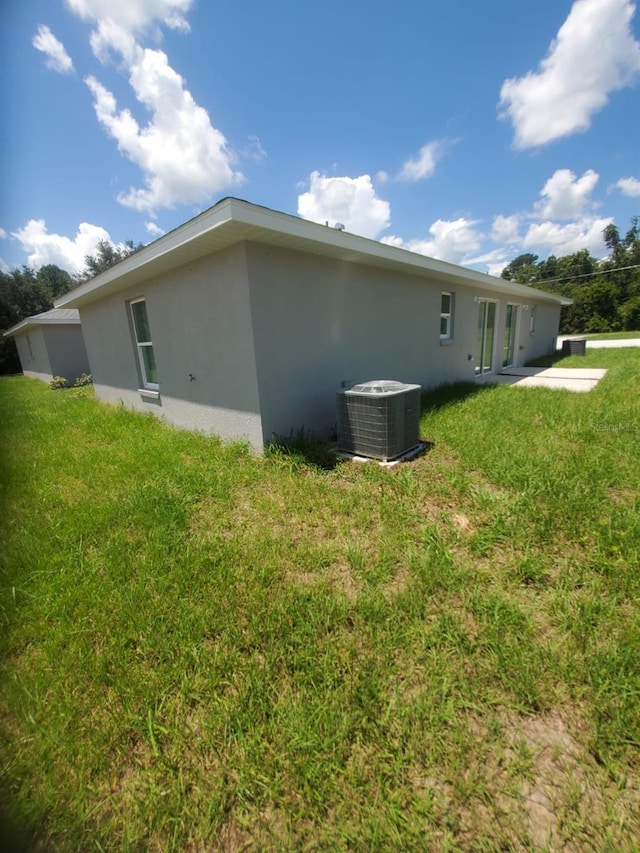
{"x":609,"y":336}
{"x":202,"y":650}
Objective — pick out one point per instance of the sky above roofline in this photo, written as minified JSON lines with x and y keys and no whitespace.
{"x":466,"y":132}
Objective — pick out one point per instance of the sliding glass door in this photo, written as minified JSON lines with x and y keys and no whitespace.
{"x":487,"y":310}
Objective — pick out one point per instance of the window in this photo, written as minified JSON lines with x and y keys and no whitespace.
{"x":446,"y":316}
{"x":143,"y":342}
{"x":532,"y":321}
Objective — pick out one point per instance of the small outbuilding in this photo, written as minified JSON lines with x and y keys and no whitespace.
{"x":244,"y":322}
{"x":51,"y":344}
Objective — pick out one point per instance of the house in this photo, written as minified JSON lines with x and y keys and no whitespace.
{"x":51,"y":344}
{"x":244,"y":322}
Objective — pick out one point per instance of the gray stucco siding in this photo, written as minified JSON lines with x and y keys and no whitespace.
{"x":34,"y":357}
{"x":67,"y":351}
{"x":320,"y":322}
{"x":200,"y":325}
{"x":49,"y":350}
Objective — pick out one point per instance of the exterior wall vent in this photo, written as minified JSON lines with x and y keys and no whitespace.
{"x":379,"y":419}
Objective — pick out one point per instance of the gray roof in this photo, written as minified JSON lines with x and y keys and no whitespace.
{"x":232,"y":221}
{"x":54,"y":317}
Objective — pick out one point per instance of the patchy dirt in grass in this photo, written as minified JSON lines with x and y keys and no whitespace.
{"x":622,"y":496}
{"x":462,"y":523}
{"x":567,"y":800}
{"x":397,"y":584}
{"x":532,"y":786}
{"x":338,"y":576}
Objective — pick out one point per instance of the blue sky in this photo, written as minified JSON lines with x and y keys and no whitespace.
{"x":469,"y":131}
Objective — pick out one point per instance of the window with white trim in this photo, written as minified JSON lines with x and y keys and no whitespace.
{"x":446,"y":316}
{"x":146,"y":358}
{"x":532,"y":321}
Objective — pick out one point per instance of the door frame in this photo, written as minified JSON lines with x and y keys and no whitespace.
{"x":516,"y":333}
{"x":479,"y":368}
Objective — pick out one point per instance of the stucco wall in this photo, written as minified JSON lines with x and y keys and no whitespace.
{"x":67,"y":352}
{"x":253,"y":342}
{"x":319,"y":323}
{"x":200,"y":325}
{"x":34,"y":357}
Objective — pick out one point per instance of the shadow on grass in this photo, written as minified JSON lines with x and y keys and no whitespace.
{"x":309,"y":451}
{"x":306,"y":449}
{"x":448,"y":395}
{"x":553,"y":359}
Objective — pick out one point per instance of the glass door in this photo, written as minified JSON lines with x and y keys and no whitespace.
{"x":510,"y":325}
{"x":487,"y":310}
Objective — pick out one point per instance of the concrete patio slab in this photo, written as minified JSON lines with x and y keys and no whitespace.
{"x":557,"y":372}
{"x":579,"y":379}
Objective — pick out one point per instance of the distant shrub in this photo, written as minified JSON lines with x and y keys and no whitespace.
{"x":58,"y":382}
{"x":630,"y":313}
{"x":81,"y":381}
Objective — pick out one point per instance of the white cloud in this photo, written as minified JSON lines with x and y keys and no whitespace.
{"x":422,"y":166}
{"x":3,"y":233}
{"x":392,"y":240}
{"x":135,"y":16}
{"x":496,"y":268}
{"x":4,"y":266}
{"x":629,"y":186}
{"x":351,"y":201}
{"x":57,"y":57}
{"x":183,"y":157}
{"x":451,"y":240}
{"x":494,"y":256}
{"x":254,"y":150}
{"x":564,"y":196}
{"x":593,"y":54}
{"x":45,"y":248}
{"x":505,"y":229}
{"x":553,"y":238}
{"x":381,"y":177}
{"x":494,"y":261}
{"x":153,"y":229}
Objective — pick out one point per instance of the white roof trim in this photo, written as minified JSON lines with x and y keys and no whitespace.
{"x":232,"y":221}
{"x":55,"y":317}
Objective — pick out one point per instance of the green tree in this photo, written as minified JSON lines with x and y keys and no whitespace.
{"x":521,"y":269}
{"x":600,"y":290}
{"x":107,"y":255}
{"x":22,"y":294}
{"x":54,"y":280}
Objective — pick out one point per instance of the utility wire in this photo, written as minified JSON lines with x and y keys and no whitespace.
{"x":582,"y":275}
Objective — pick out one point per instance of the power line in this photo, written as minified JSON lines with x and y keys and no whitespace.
{"x":582,"y":275}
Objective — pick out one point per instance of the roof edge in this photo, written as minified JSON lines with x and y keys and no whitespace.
{"x":248,"y":217}
{"x":39,"y":320}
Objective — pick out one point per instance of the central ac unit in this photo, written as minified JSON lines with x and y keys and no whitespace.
{"x":379,"y":419}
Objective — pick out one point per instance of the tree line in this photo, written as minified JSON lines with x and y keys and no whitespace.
{"x":605,"y":293}
{"x":25,"y":292}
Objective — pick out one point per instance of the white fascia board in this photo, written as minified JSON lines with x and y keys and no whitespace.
{"x":234,"y":220}
{"x":33,"y":322}
{"x":366,"y":250}
{"x":152,"y":254}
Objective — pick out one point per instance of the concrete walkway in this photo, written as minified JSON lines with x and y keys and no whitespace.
{"x":579,"y":379}
{"x":602,"y":344}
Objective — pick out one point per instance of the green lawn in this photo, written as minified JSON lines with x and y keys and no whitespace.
{"x":207,"y":651}
{"x":611,"y":336}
